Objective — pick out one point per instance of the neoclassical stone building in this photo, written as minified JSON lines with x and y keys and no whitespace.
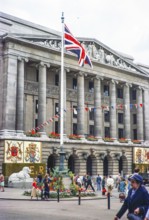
{"x":110,"y":100}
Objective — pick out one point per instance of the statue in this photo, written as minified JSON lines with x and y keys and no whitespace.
{"x":21,"y":176}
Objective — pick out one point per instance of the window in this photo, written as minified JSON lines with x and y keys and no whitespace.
{"x":91,"y":86}
{"x":106,"y":90}
{"x":107,"y":116}
{"x":36,"y":106}
{"x":74,"y":111}
{"x":36,"y":123}
{"x":57,"y":80}
{"x":121,"y":133}
{"x":120,"y":93}
{"x":74,"y":83}
{"x":134,"y":95}
{"x":120,"y":118}
{"x":74,"y":128}
{"x":135,"y":134}
{"x":107,"y":132}
{"x":134,"y":118}
{"x":91,"y":114}
{"x":56,"y":127}
{"x":56,"y":108}
{"x":91,"y":130}
{"x":37,"y":75}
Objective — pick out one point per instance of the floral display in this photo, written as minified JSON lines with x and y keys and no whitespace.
{"x":92,"y":138}
{"x":108,"y":139}
{"x":54,"y":135}
{"x":123,"y":140}
{"x":74,"y":137}
{"x":33,"y":133}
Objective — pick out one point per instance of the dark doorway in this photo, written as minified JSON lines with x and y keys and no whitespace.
{"x":51,"y":163}
{"x":89,"y":166}
{"x":120,"y":165}
{"x":105,"y":166}
{"x":71,"y":164}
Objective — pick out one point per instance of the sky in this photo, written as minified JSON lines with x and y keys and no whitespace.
{"x":122,"y":25}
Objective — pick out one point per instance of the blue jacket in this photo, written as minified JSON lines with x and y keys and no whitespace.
{"x":139,"y":200}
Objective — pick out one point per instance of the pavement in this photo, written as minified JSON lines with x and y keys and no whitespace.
{"x":15,"y":206}
{"x":17,"y":194}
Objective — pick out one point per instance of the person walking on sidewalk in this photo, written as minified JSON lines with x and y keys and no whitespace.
{"x":110,"y":184}
{"x":137,"y":201}
{"x":89,"y":183}
{"x":2,"y":182}
{"x":98,"y":181}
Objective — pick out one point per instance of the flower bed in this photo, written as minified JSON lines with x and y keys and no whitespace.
{"x":33,"y":133}
{"x":74,"y":137}
{"x":136,"y":141}
{"x":92,"y":138}
{"x":64,"y":194}
{"x":108,"y":139}
{"x":54,"y":135}
{"x":123,"y":140}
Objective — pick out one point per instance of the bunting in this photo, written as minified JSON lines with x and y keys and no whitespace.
{"x":76,"y":110}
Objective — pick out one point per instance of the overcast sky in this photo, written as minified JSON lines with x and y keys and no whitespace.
{"x":122,"y":25}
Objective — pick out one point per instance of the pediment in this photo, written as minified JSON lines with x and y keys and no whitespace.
{"x":97,"y":51}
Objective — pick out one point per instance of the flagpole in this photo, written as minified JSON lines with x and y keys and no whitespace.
{"x":61,"y":99}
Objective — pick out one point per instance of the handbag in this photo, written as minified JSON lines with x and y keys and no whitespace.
{"x":132,"y":216}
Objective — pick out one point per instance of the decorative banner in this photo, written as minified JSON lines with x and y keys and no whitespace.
{"x":13,"y":151}
{"x":141,"y":155}
{"x":32,"y":152}
{"x":76,"y":110}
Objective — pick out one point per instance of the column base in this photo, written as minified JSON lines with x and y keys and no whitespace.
{"x":43,"y":134}
{"x":20,"y":133}
{"x":7,"y":132}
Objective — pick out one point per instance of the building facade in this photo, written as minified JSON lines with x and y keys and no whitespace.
{"x":109,"y":102}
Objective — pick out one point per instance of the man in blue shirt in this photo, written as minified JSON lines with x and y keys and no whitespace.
{"x":98,"y":181}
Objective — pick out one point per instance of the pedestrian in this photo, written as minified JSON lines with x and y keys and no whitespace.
{"x":98,"y":182}
{"x":2,"y":182}
{"x":46,"y":183}
{"x":35,"y":190}
{"x":89,"y":182}
{"x":85,"y":180}
{"x":110,"y":184}
{"x":118,"y":178}
{"x":122,"y":189}
{"x":103,"y":186}
{"x":79,"y":181}
{"x":137,"y":200}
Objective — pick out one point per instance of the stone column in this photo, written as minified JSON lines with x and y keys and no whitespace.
{"x":127,"y":120}
{"x":9,"y":95}
{"x":113,"y":112}
{"x":140,"y":134}
{"x":20,"y":96}
{"x":98,"y":111}
{"x":80,"y":104}
{"x":146,"y":114}
{"x":42,"y":95}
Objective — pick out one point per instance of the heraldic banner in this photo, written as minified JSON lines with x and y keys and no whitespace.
{"x":22,"y":152}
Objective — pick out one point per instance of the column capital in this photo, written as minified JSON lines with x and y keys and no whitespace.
{"x":97,"y":77}
{"x":23,"y":59}
{"x":114,"y":81}
{"x":127,"y":84}
{"x":65,"y":69}
{"x":42,"y":64}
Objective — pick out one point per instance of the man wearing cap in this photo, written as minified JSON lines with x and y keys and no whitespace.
{"x":137,"y":200}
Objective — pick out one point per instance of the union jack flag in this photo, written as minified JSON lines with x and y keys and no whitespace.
{"x":74,"y":46}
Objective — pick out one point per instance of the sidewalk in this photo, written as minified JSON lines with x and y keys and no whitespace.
{"x":17,"y":194}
